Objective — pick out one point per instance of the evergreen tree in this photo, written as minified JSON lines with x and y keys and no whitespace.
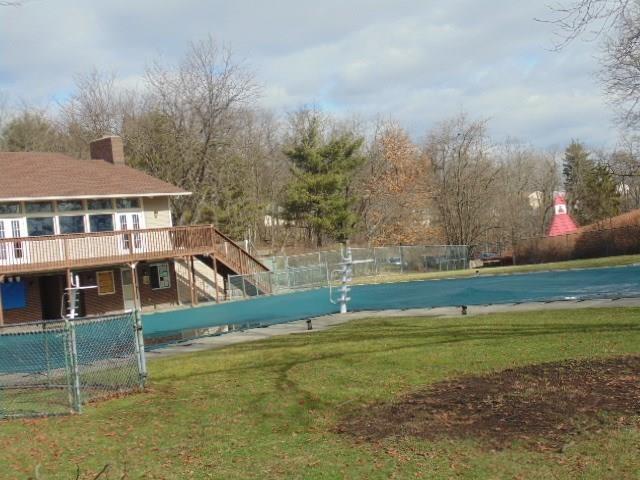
{"x":604,"y":198}
{"x":319,"y":196}
{"x":591,"y":188}
{"x":577,"y":170}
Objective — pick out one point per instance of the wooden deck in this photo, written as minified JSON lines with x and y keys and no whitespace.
{"x":76,"y":251}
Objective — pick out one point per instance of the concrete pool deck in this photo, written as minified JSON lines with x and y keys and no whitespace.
{"x":328,"y":321}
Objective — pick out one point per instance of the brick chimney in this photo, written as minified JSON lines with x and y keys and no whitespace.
{"x":109,"y":149}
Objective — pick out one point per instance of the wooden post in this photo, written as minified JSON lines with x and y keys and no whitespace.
{"x":192,"y":281}
{"x":1,"y":307}
{"x":215,"y":276}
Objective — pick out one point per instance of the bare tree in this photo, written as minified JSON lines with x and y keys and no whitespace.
{"x":591,"y":17}
{"x":96,"y":108}
{"x":96,"y":104}
{"x":29,"y":130}
{"x":465,"y":180}
{"x":195,"y":103}
{"x":528,"y":181}
{"x":617,"y":24}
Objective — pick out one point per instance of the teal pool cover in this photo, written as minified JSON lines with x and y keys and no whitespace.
{"x":479,"y":290}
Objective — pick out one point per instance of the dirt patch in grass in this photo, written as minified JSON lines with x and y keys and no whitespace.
{"x":542,"y":406}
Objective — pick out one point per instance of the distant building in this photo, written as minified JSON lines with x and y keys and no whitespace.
{"x":535,"y":200}
{"x":562,"y":223}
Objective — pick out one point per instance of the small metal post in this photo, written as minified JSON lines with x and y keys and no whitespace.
{"x":401,"y":260}
{"x":139,"y":343}
{"x":215,"y":277}
{"x":347,"y":262}
{"x":75,"y":374}
{"x":1,"y":307}
{"x":74,"y":384}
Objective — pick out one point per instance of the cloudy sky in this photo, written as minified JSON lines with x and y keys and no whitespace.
{"x":417,"y":61}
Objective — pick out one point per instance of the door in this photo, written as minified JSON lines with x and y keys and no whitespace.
{"x":12,"y":253}
{"x":131,"y":242}
{"x":52,"y":288}
{"x":128,"y":292}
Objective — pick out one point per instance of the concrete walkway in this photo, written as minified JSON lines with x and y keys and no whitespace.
{"x":329,"y":321}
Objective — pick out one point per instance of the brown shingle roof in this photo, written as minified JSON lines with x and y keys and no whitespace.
{"x":31,"y":175}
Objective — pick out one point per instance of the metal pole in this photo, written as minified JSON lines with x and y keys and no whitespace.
{"x":215,"y":277}
{"x":347,"y":263}
{"x":46,"y":352}
{"x":136,"y":286}
{"x":139,"y":343}
{"x":1,"y":307}
{"x":76,"y":399}
{"x":75,"y":374}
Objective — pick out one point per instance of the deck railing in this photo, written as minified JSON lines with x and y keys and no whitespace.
{"x":61,"y":252}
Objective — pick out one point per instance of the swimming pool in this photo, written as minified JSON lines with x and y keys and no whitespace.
{"x":479,"y":290}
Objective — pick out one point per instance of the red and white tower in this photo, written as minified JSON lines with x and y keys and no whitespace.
{"x":562,"y":223}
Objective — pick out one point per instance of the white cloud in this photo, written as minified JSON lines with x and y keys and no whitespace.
{"x":413,"y":60}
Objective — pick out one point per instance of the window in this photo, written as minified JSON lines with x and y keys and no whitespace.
{"x":100,"y":204}
{"x":3,"y":246}
{"x":160,"y":276}
{"x":126,"y":240}
{"x":70,"y":205}
{"x":40,"y":226}
{"x":127,"y":203}
{"x":72,"y":224}
{"x":101,"y":223}
{"x":17,"y":246}
{"x":106,"y":282}
{"x":10,"y":208}
{"x":39,"y":207}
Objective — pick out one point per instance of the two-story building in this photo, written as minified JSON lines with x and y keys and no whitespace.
{"x":108,"y":224}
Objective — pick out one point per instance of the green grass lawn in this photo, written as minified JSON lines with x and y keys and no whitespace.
{"x":268,"y":409}
{"x":618,"y":261}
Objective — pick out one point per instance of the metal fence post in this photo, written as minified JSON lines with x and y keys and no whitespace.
{"x":139,"y":346}
{"x":74,"y":374}
{"x":401,"y":259}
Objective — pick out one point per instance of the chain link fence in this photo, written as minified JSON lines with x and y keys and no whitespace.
{"x":311,"y":270}
{"x":55,"y":367}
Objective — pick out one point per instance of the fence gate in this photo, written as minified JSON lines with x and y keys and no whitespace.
{"x":54,"y":367}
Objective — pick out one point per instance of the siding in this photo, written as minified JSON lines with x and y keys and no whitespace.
{"x":157,"y":212}
{"x":152,"y":299}
{"x":93,"y":303}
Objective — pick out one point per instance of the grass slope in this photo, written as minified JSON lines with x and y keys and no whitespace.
{"x":268,"y":409}
{"x":539,"y":267}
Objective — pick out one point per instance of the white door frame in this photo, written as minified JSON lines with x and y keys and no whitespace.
{"x":129,"y":304}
